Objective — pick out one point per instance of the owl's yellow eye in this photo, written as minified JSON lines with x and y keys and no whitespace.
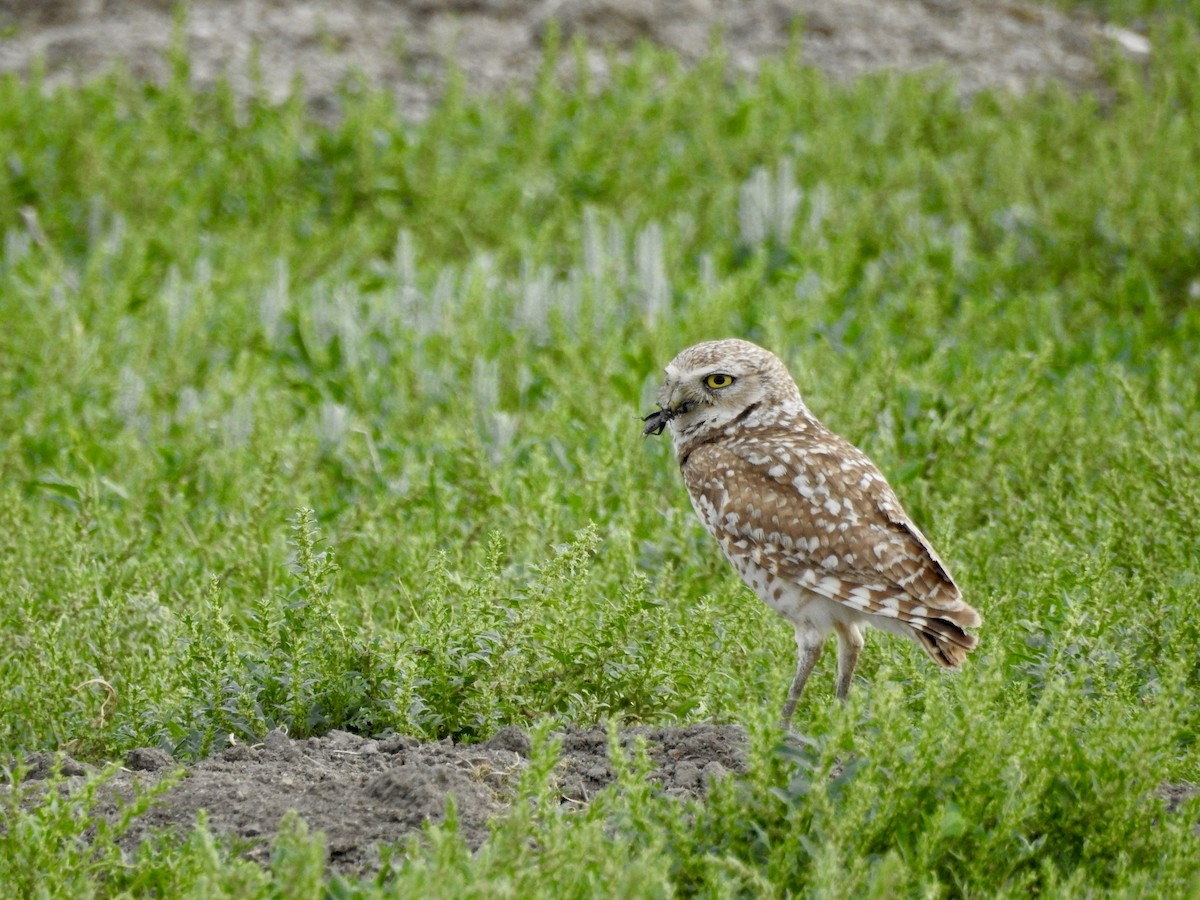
{"x":718,"y":380}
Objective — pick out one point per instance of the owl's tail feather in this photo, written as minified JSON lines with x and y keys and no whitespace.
{"x":945,"y":641}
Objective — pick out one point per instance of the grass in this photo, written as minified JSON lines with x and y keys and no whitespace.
{"x":1140,"y":12}
{"x":337,"y":428}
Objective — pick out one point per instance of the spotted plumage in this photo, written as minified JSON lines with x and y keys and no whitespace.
{"x":808,"y":521}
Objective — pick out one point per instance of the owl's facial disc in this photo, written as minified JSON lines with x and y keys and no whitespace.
{"x":681,"y":394}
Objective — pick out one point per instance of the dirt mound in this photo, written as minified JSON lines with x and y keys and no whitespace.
{"x":362,"y":792}
{"x":406,"y":46}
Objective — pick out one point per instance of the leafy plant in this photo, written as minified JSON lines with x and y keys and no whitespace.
{"x":434,"y":340}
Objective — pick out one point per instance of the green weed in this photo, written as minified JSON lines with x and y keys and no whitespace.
{"x":433,"y":340}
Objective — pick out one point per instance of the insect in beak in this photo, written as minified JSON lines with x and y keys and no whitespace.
{"x":657,"y":421}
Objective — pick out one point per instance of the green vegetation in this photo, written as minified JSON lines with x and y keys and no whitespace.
{"x":1137,"y":11}
{"x":337,"y":427}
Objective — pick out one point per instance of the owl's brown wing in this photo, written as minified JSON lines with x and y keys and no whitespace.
{"x":813,"y":509}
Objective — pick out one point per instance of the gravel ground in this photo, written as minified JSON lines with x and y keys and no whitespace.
{"x":405,"y":44}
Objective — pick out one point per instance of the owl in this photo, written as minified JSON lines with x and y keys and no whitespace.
{"x":808,"y":521}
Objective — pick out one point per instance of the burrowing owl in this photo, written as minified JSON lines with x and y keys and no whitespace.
{"x":805,"y":517}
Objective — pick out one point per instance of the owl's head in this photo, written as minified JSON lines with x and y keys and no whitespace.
{"x":712,"y":384}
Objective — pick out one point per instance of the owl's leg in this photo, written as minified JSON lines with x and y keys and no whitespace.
{"x":809,"y":642}
{"x":850,"y":644}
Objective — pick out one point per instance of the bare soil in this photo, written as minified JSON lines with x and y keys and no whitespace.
{"x":406,"y":45}
{"x":363,"y":793}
